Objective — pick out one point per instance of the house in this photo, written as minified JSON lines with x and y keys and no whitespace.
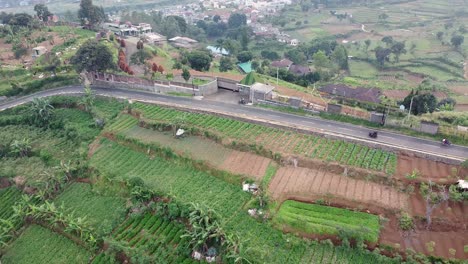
{"x":155,"y":38}
{"x":294,"y":42}
{"x":282,"y":64}
{"x":183,"y":42}
{"x":217,"y":51}
{"x":371,"y":95}
{"x":299,"y":70}
{"x":38,"y":51}
{"x":128,"y":29}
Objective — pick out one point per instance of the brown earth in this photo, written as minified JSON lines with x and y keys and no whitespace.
{"x":459,"y":89}
{"x":307,"y":183}
{"x":246,"y":163}
{"x":435,"y":171}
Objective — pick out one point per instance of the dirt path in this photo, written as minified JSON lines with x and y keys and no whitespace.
{"x":310,"y":183}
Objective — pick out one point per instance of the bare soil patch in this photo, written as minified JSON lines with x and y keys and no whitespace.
{"x":436,"y":171}
{"x":460,"y":88}
{"x":246,"y":163}
{"x":308,"y":183}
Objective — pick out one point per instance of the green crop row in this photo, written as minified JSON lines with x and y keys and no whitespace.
{"x":324,"y":220}
{"x":158,"y":237}
{"x":122,"y":123}
{"x":42,"y":246}
{"x":8,"y":197}
{"x":270,"y":138}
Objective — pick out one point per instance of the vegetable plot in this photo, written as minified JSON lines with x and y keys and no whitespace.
{"x":276,"y":140}
{"x":8,"y":197}
{"x":160,"y":238}
{"x":325,"y":220}
{"x":42,"y":246}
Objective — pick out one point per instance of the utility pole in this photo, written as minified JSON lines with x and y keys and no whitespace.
{"x":277,"y":73}
{"x":410,"y":106}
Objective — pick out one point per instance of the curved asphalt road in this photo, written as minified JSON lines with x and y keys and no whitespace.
{"x":342,"y":129}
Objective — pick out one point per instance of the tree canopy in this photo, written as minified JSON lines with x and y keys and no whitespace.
{"x":237,"y":20}
{"x":199,"y":60}
{"x":422,"y":103}
{"x":90,"y":15}
{"x":93,"y":56}
{"x":42,"y":12}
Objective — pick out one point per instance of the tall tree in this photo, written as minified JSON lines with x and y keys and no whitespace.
{"x":90,"y":15}
{"x":42,"y":12}
{"x":185,"y":74}
{"x":398,"y":48}
{"x":340,"y":57}
{"x":199,"y":60}
{"x":93,"y":56}
{"x":237,"y":20}
{"x":457,"y":40}
{"x":382,"y":55}
{"x":388,"y":40}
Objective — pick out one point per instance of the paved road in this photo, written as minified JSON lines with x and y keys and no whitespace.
{"x":326,"y":126}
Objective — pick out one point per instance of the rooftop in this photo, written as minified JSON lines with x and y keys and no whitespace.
{"x":284,"y":63}
{"x":216,"y":50}
{"x":245,"y":66}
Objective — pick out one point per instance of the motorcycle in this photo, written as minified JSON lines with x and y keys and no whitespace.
{"x":242,"y":101}
{"x":373,"y":134}
{"x":446,"y":143}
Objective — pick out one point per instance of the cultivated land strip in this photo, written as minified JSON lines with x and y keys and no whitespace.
{"x":310,"y":183}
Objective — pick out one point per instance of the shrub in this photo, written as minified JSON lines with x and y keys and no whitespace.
{"x":405,"y":222}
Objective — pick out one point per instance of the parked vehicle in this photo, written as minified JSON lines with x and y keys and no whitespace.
{"x":242,"y":101}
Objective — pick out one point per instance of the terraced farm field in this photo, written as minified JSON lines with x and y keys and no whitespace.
{"x":42,"y":246}
{"x":188,"y":185}
{"x":307,"y":184}
{"x":159,"y":238}
{"x":278,"y":140}
{"x":103,"y":212}
{"x":8,"y":197}
{"x":198,"y":148}
{"x":325,"y":220}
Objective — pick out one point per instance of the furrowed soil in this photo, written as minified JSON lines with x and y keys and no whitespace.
{"x":435,"y":171}
{"x":291,"y":182}
{"x":199,"y":148}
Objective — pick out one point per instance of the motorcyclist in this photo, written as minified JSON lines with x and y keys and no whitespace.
{"x":445,"y":141}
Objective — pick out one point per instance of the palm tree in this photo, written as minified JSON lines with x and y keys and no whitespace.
{"x":21,"y":148}
{"x":88,"y":99}
{"x":41,"y":111}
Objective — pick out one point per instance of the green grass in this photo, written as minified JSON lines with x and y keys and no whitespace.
{"x":325,"y":220}
{"x":103,"y":212}
{"x":42,"y":246}
{"x":362,"y":69}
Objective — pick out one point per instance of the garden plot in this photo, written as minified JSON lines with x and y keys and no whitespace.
{"x":324,"y":220}
{"x":8,"y":197}
{"x":103,"y":212}
{"x":309,"y":183}
{"x":198,"y":148}
{"x":158,"y":237}
{"x":427,"y":169}
{"x":277,"y":140}
{"x":39,"y":245}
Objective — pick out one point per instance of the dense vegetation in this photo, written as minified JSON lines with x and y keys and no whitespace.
{"x":324,"y":220}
